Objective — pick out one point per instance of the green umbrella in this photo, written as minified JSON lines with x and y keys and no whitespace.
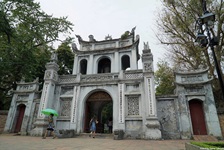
{"x":49,"y":111}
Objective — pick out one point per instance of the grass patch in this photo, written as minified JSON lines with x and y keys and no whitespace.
{"x":212,"y":145}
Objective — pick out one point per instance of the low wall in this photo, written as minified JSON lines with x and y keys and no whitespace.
{"x":3,"y":117}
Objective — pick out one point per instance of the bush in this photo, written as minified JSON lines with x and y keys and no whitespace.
{"x":209,"y":144}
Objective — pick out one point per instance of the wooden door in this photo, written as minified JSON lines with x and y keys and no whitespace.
{"x":197,"y":117}
{"x":87,"y":117}
{"x":21,"y":111}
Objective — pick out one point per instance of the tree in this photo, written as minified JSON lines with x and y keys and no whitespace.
{"x":26,"y":36}
{"x":177,"y":30}
{"x":65,"y":58}
{"x":164,"y":79}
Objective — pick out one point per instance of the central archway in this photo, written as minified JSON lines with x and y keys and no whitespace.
{"x":98,"y":104}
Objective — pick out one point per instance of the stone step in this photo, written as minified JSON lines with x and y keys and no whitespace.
{"x":97,"y":135}
{"x":204,"y":138}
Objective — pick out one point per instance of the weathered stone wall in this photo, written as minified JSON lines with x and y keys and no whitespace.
{"x":221,"y":121}
{"x":133,"y":129}
{"x":167,"y":115}
{"x":3,"y":118}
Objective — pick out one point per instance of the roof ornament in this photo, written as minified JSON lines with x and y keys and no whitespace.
{"x":54,"y":57}
{"x":79,"y":38}
{"x":146,"y":45}
{"x":91,"y":38}
{"x":74,"y":47}
{"x":108,"y":37}
{"x":133,"y":30}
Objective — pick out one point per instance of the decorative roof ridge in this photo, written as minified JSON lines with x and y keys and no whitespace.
{"x":193,"y":83}
{"x":92,"y":40}
{"x":116,"y":48}
{"x":102,"y":41}
{"x":22,"y":82}
{"x":188,"y":72}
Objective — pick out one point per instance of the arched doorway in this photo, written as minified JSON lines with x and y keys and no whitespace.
{"x":19,"y":117}
{"x":197,"y":117}
{"x":125,"y":62}
{"x":104,"y":65}
{"x":98,"y":104}
{"x":83,"y":66}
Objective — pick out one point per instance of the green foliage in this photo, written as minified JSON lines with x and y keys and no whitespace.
{"x":164,"y":79}
{"x":125,"y":35}
{"x":65,"y":58}
{"x":107,"y":112}
{"x":213,"y":145}
{"x":176,"y":24}
{"x":26,"y":33}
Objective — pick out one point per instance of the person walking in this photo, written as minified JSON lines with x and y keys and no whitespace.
{"x":92,"y":125}
{"x":110,"y":124}
{"x":50,"y":127}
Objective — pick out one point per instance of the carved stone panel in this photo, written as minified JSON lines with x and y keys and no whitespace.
{"x":133,"y":105}
{"x":149,"y":97}
{"x":133,"y":75}
{"x":47,"y":75}
{"x":43,"y":98}
{"x":26,"y":87}
{"x":191,"y":79}
{"x":67,"y":91}
{"x":195,"y":89}
{"x":65,"y":107}
{"x":148,"y":67}
{"x":121,"y":105}
{"x":22,"y":97}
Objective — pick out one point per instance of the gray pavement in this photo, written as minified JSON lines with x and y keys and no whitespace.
{"x":12,"y":142}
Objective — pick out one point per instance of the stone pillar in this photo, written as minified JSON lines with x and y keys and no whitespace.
{"x":11,"y":115}
{"x":121,"y":103}
{"x":152,"y":125}
{"x":119,"y":110}
{"x":116,"y":65}
{"x":74,"y":111}
{"x":76,"y":65}
{"x":47,"y":97}
{"x":90,"y":65}
{"x":133,"y":60}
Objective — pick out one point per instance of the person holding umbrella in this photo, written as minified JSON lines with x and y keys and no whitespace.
{"x":50,"y":127}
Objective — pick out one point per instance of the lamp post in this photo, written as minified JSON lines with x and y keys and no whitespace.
{"x":207,"y":21}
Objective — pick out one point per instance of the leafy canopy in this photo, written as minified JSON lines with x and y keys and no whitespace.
{"x":176,"y":23}
{"x":26,"y":37}
{"x":65,"y":58}
{"x":164,"y":79}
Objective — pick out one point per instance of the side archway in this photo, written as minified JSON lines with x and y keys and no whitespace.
{"x":197,"y":117}
{"x":19,"y":117}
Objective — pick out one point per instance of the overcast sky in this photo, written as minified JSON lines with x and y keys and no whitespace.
{"x":113,"y":17}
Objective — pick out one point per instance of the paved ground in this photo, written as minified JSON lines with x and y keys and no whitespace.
{"x":11,"y":142}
